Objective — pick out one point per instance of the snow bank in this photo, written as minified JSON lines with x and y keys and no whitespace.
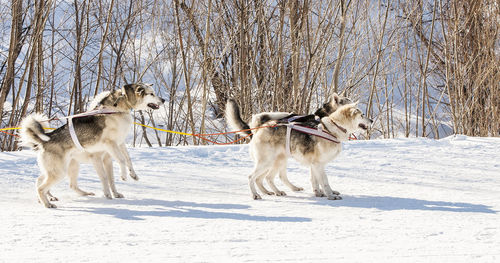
{"x":405,"y":200}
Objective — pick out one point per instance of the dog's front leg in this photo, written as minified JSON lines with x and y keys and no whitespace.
{"x":315,"y":183}
{"x":323,"y":180}
{"x":98,"y":166}
{"x":131,"y":170}
{"x":108,"y":168}
{"x":115,"y":151}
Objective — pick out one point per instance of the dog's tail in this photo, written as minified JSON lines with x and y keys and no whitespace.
{"x":32,"y":133}
{"x":234,"y":120}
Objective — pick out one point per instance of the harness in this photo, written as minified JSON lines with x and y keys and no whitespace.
{"x":293,"y":122}
{"x":71,"y":128}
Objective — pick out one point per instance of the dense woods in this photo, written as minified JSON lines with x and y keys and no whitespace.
{"x":426,"y":68}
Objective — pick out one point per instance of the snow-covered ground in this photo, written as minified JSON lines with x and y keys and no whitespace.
{"x":405,"y":200}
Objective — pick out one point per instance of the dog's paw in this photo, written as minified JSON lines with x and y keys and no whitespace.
{"x":89,"y":193}
{"x":256,"y":197}
{"x":280,"y":193}
{"x":297,"y":189}
{"x":117,"y":195}
{"x":334,"y":197}
{"x":132,"y":174}
{"x":335,"y":192}
{"x":319,"y":193}
{"x":108,"y":196}
{"x":269,"y":193}
{"x":53,"y":198}
{"x":49,"y":205}
{"x":124,"y":177}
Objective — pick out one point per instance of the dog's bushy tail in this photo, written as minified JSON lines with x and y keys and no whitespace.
{"x":234,"y":120}
{"x":32,"y":133}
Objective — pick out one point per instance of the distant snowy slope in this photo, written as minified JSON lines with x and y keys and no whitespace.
{"x":405,"y":200}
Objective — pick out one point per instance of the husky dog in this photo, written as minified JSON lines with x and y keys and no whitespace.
{"x":269,"y":154}
{"x":232,"y":113}
{"x":328,"y":108}
{"x":102,"y":136}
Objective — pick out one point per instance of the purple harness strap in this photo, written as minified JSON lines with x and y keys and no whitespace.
{"x":307,"y":130}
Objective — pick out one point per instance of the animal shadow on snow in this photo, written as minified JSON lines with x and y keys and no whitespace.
{"x":388,"y":203}
{"x":181,"y":209}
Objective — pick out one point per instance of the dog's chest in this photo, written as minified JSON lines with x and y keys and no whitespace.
{"x":118,"y":127}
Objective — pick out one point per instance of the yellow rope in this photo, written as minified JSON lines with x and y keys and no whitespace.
{"x":176,"y":132}
{"x":18,"y":128}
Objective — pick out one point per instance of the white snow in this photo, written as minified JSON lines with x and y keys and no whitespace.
{"x":405,"y":200}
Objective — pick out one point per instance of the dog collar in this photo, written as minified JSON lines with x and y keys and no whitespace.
{"x":340,"y":127}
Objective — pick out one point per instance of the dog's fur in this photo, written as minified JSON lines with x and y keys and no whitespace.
{"x":232,"y":113}
{"x":102,"y":136}
{"x":267,"y":147}
{"x":234,"y":120}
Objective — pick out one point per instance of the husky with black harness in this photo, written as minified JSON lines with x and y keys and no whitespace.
{"x":334,"y":102}
{"x":311,"y":142}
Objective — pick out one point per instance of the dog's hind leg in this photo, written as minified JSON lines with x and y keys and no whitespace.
{"x":49,"y":194}
{"x":259,"y":170}
{"x":108,"y":167}
{"x":73,"y":169}
{"x":50,"y":176}
{"x":270,"y":180}
{"x":284,"y":178}
{"x":101,"y":172}
{"x":260,"y":184}
{"x":272,"y":174}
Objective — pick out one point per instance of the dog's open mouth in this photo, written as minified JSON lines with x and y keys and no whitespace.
{"x":362,"y":126}
{"x":153,"y":106}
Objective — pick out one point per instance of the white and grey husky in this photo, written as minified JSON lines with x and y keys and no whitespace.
{"x":102,"y":136}
{"x":269,"y":153}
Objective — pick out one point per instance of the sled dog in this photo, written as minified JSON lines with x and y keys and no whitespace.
{"x":232,"y":113}
{"x":269,"y":153}
{"x":102,"y":136}
{"x":328,"y":108}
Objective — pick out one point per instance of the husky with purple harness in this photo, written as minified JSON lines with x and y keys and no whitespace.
{"x":315,"y":148}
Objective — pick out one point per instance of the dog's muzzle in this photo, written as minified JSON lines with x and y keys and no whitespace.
{"x":364,"y":126}
{"x":153,"y":106}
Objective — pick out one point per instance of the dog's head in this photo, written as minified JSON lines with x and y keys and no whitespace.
{"x":332,"y":105}
{"x":141,"y":96}
{"x":351,"y":118}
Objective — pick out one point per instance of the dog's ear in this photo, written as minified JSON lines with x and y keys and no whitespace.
{"x":128,"y":91}
{"x":140,"y":90}
{"x":128,"y":88}
{"x":335,"y":98}
{"x":354,"y":109}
